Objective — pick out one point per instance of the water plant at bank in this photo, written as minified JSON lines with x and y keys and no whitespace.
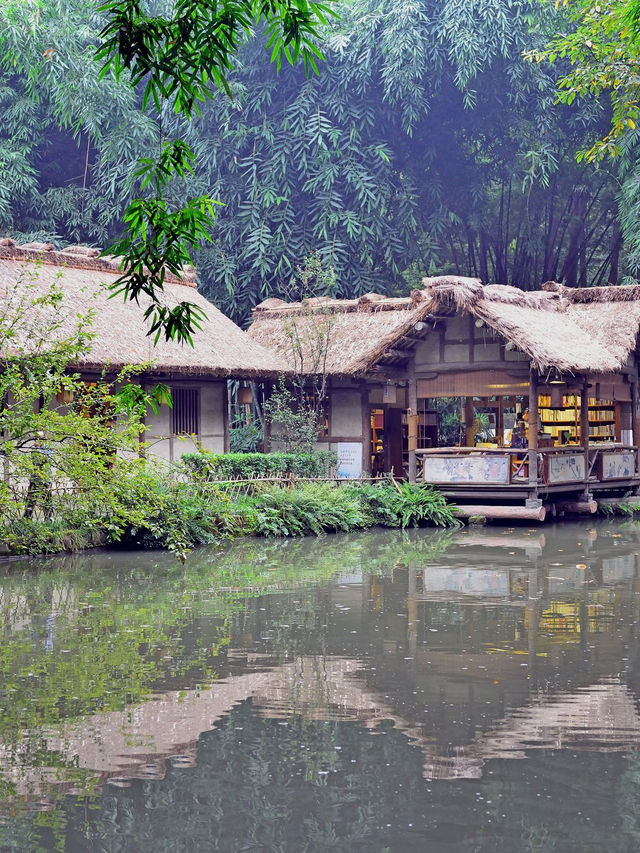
{"x":152,"y":508}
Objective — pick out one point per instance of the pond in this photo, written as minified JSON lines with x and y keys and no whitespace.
{"x":474,"y":690}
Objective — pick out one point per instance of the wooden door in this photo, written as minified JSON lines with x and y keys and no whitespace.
{"x":393,"y":441}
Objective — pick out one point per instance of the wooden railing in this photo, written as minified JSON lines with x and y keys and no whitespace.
{"x":511,"y":466}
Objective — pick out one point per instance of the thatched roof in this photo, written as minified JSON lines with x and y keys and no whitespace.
{"x":120,"y":332}
{"x":575,"y":330}
{"x":360,"y":330}
{"x":563,"y":328}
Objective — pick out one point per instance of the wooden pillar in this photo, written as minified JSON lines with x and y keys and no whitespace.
{"x":366,"y":431}
{"x":226,"y":408}
{"x":635,"y":420}
{"x":266,"y":430}
{"x":412,"y":402}
{"x":468,"y":422}
{"x":584,"y":427}
{"x":533,"y":432}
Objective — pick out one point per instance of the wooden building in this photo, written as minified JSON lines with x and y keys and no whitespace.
{"x":196,"y":375}
{"x":564,"y":360}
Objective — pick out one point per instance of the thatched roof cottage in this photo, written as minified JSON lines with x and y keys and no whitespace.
{"x":197,"y":375}
{"x":562,"y":358}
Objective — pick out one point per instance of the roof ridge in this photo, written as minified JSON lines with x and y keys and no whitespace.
{"x":78,"y":257}
{"x":276,"y":307}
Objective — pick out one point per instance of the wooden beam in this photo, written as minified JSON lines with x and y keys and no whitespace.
{"x":584,"y":423}
{"x":397,"y":353}
{"x":510,"y":512}
{"x":468,"y":412}
{"x":413,"y":339}
{"x":227,"y":412}
{"x":381,"y":373}
{"x":635,"y":420}
{"x":519,"y":370}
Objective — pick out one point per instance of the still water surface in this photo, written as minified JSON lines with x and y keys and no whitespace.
{"x":467,"y":691}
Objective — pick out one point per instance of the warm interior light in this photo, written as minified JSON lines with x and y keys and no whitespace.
{"x":509,"y":385}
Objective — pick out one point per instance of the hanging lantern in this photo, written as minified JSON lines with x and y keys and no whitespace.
{"x":245,"y":396}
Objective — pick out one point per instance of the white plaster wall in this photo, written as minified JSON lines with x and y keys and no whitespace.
{"x":163,"y":444}
{"x":212,"y":417}
{"x":454,"y":353}
{"x":346,"y":413}
{"x":428,"y":351}
{"x":158,"y":432}
{"x":457,"y":329}
{"x":486,"y":351}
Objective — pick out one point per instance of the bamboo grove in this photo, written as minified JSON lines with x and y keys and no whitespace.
{"x":425,"y":143}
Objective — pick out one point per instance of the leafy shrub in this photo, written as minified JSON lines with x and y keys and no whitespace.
{"x":154,"y":511}
{"x":247,"y":466}
{"x":36,"y":536}
{"x":323,"y":507}
{"x":310,"y":508}
{"x":624,"y":507}
{"x":405,"y":505}
{"x":147,"y":507}
{"x":244,"y":438}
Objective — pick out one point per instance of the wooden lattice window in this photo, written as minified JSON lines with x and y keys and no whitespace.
{"x":322,"y":407}
{"x":186,"y":411}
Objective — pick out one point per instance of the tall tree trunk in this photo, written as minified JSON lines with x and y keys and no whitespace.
{"x":576,"y":239}
{"x":616,"y":247}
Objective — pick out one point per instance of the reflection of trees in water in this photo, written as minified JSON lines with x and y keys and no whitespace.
{"x":101,"y":631}
{"x":315,"y":786}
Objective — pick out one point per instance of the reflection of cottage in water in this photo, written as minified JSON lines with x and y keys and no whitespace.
{"x":536,"y":650}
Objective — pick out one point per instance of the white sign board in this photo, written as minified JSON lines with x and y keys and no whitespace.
{"x":349,"y":460}
{"x":566,"y":468}
{"x":467,"y":469}
{"x":618,"y":466}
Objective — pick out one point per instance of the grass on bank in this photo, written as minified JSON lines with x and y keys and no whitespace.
{"x":151,"y":509}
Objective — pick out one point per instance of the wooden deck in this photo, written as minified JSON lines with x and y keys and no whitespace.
{"x":557,"y":478}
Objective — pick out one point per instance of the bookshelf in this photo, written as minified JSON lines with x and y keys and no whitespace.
{"x":563,"y":422}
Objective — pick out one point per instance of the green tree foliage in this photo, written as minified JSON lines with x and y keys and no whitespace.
{"x":426,"y":144}
{"x":598,"y":51}
{"x":71,"y":471}
{"x":178,"y":52}
{"x":59,"y":436}
{"x":602,"y":45}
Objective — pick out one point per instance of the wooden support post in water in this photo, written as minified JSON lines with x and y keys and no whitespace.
{"x":533,"y":434}
{"x":412,"y":402}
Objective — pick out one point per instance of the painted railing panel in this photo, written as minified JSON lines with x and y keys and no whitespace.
{"x":490,"y":470}
{"x":511,"y":466}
